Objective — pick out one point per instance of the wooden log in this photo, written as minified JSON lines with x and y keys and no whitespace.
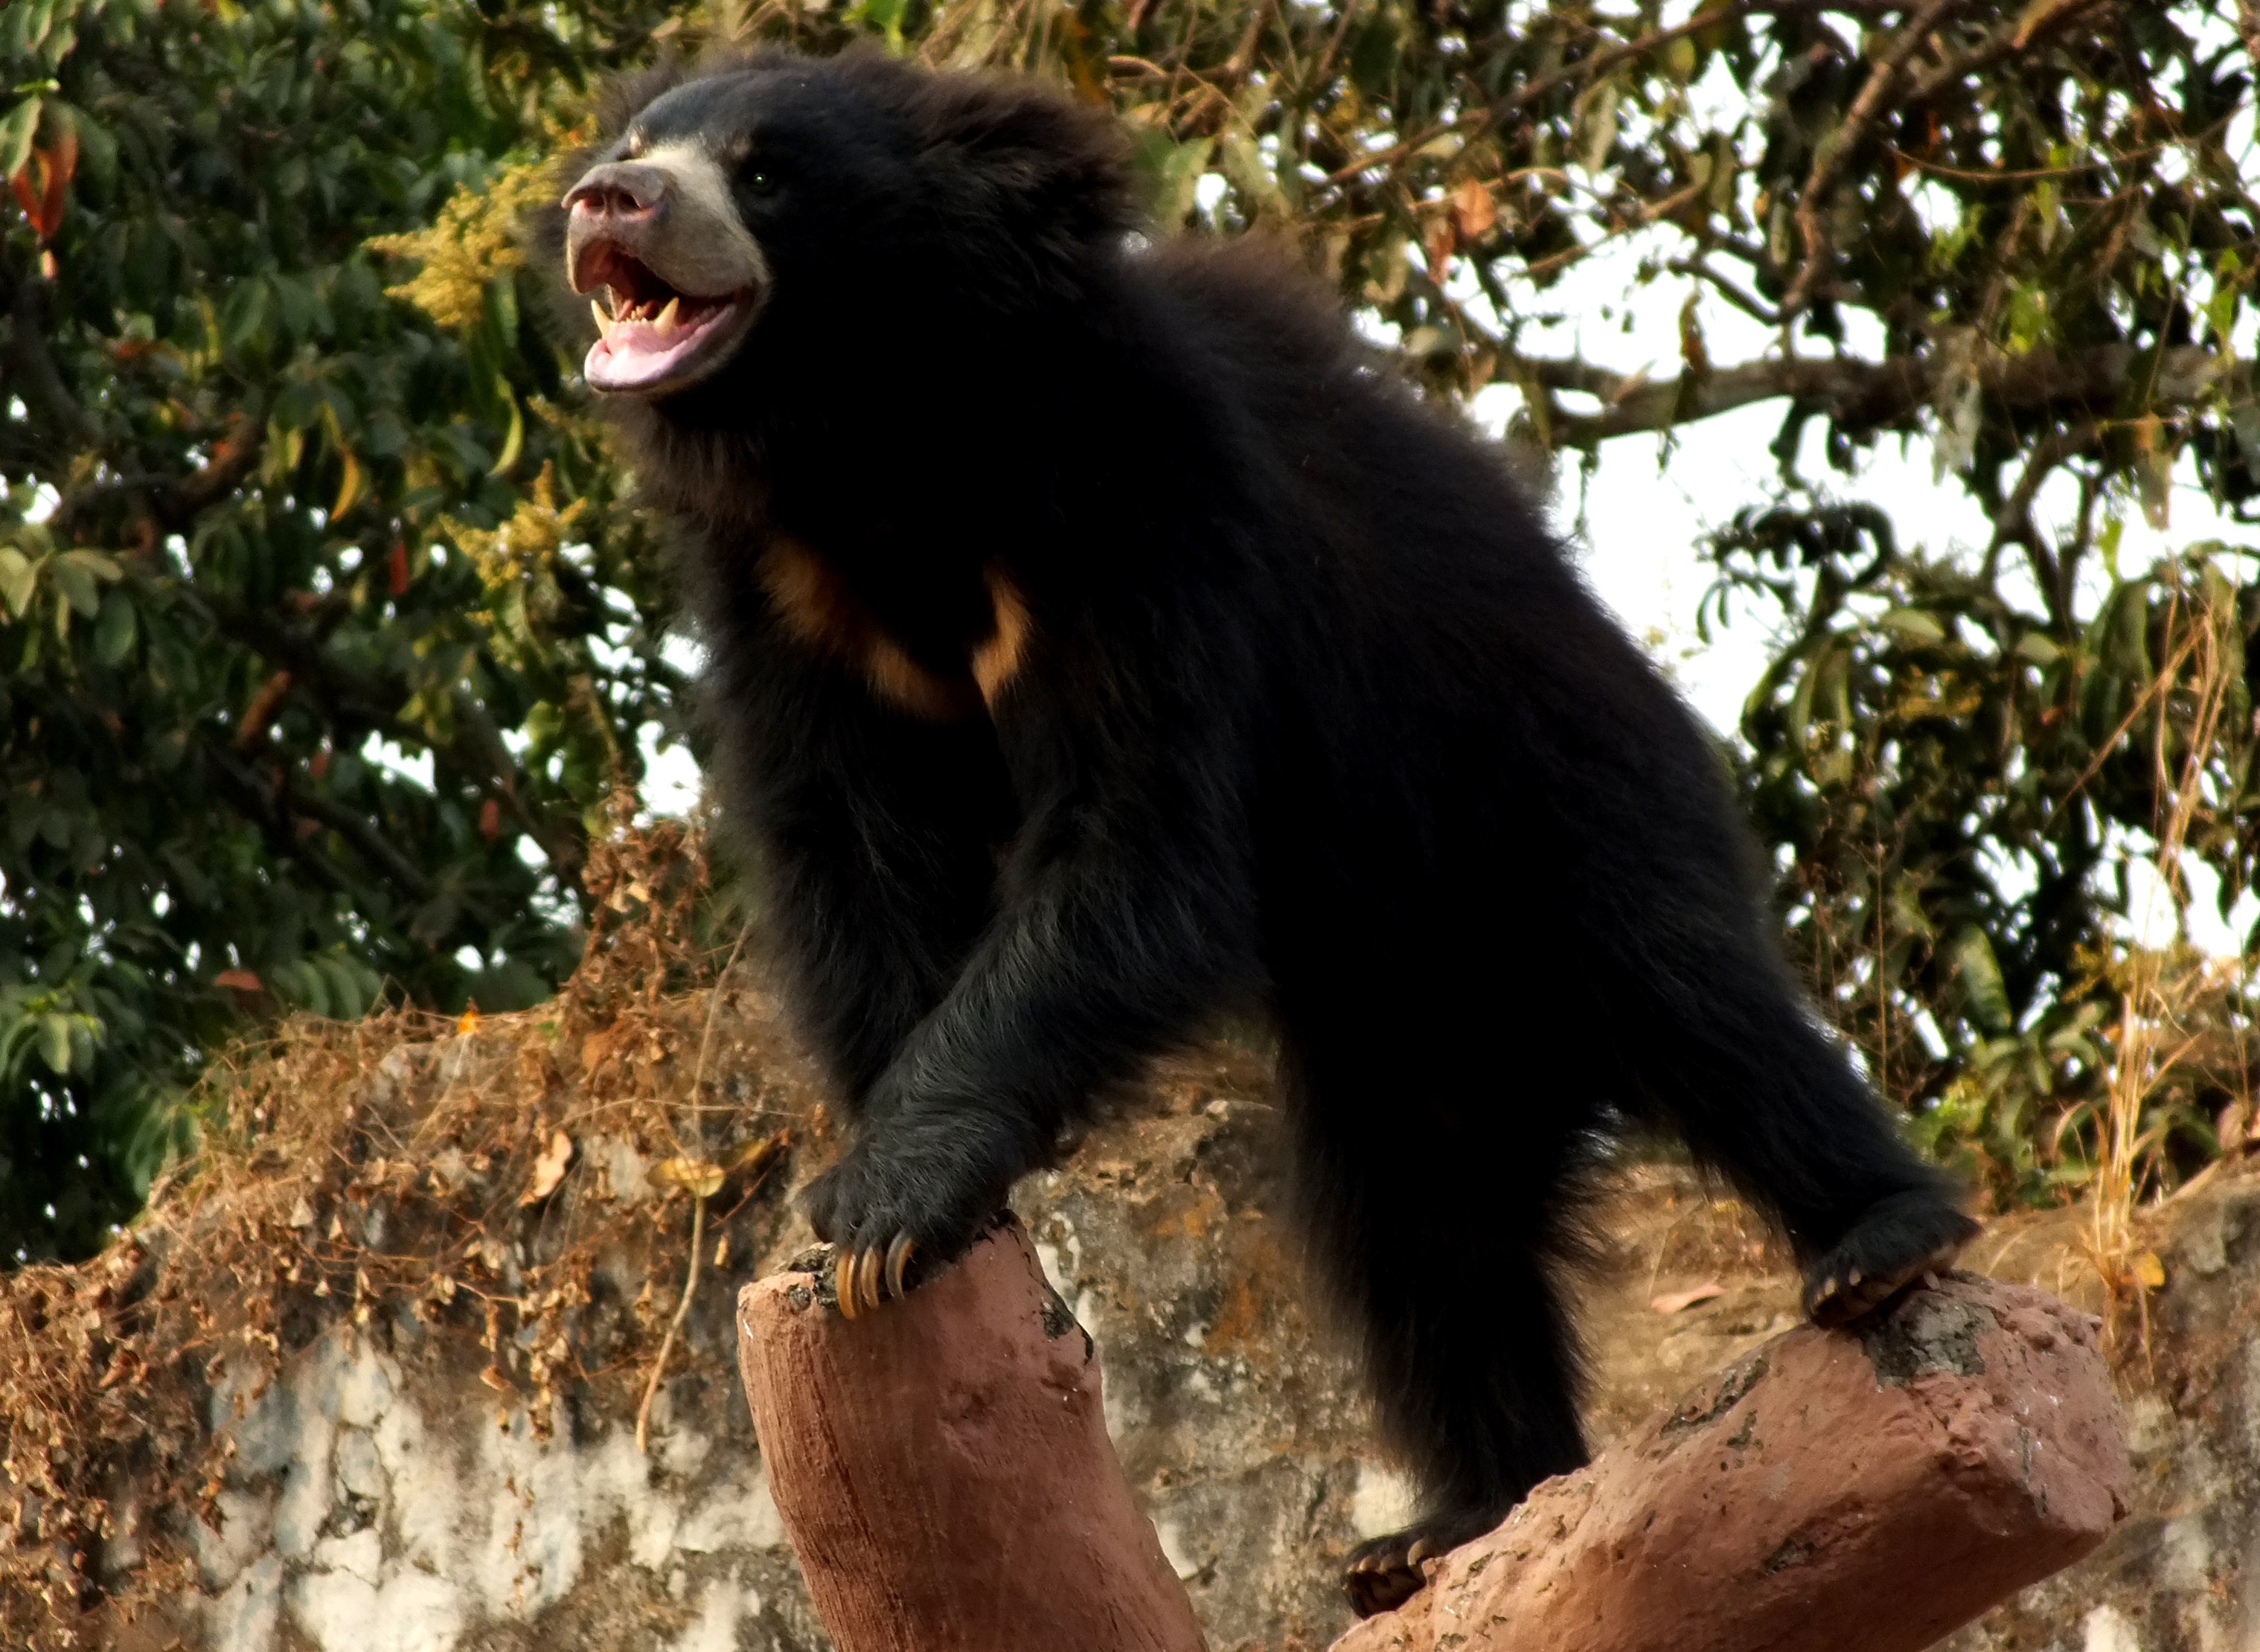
{"x":943,"y":1467}
{"x":1831,"y":1492}
{"x":944,"y":1473}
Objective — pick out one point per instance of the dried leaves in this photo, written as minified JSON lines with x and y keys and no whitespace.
{"x":410,"y":1177}
{"x":548,"y":1169}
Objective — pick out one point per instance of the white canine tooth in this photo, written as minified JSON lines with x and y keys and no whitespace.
{"x":603,"y":321}
{"x":666,"y":320}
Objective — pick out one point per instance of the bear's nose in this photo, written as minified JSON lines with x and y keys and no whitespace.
{"x":619,"y":190}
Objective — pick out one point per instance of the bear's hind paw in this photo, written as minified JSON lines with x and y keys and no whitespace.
{"x":1895,"y":1243}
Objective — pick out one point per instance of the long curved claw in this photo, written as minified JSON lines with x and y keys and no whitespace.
{"x":843,"y":1282}
{"x":867,"y":1279}
{"x":898,"y":1261}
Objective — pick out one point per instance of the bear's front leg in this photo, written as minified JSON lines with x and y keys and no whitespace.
{"x":1127,"y":913}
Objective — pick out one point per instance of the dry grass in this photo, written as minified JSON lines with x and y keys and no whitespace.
{"x":2174,"y":1002}
{"x":459,"y":1174}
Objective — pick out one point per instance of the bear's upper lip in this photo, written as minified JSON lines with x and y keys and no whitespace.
{"x":605,"y":262}
{"x":653,"y":338}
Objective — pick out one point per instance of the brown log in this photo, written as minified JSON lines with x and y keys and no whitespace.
{"x":944,"y":1473}
{"x":1831,"y":1492}
{"x":943,"y":1467}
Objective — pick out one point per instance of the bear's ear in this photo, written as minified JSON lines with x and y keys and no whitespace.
{"x":1055,"y":167}
{"x":620,"y":97}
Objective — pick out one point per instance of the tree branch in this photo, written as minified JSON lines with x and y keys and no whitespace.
{"x":365,"y":699}
{"x":1585,"y":70}
{"x":2014,"y":523}
{"x":1834,"y":153}
{"x":1861,"y":395}
{"x":356,"y":829}
{"x":2020,"y":32}
{"x":172,"y":502}
{"x":1748,"y":303}
{"x":270,"y":802}
{"x":36,"y":377}
{"x":564,"y":850}
{"x":255,"y":802}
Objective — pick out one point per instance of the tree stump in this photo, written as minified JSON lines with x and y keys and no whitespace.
{"x":943,"y":1469}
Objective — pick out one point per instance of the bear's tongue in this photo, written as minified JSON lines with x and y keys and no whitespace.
{"x":639,"y":351}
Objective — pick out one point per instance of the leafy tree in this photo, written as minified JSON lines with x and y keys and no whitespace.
{"x":263,"y":520}
{"x":322,"y":628}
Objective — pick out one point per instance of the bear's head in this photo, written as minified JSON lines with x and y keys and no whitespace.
{"x":757,"y":208}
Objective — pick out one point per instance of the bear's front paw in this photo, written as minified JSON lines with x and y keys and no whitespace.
{"x":883,"y":1213}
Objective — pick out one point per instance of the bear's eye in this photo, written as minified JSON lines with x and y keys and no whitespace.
{"x":759,"y":180}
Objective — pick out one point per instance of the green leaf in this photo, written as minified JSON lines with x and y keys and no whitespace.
{"x":75,"y":579}
{"x":1170,"y":173}
{"x":885,"y":16}
{"x":17,"y":129}
{"x":1374,"y":50}
{"x":20,"y":580}
{"x":246,"y":313}
{"x":55,"y":1043}
{"x":309,"y":983}
{"x":1597,"y":125}
{"x":1913,"y":625}
{"x":1971,"y":963}
{"x":514,"y":443}
{"x":113,"y":630}
{"x":353,"y":987}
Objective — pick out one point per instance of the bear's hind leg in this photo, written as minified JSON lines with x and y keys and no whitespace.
{"x":1764,"y":1096}
{"x":1473,"y":1363}
{"x":1434,"y":1234}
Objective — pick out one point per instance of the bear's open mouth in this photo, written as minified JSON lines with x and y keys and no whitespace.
{"x":653,"y":338}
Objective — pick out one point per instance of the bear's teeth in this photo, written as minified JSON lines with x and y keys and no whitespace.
{"x":603,"y":321}
{"x":665,"y":321}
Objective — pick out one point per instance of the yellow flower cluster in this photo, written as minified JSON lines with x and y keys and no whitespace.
{"x":474,"y":239}
{"x":525,"y":546}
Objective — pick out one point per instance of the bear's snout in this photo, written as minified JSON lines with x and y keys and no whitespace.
{"x":619,"y":190}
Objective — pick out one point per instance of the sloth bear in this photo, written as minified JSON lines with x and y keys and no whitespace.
{"x":1101,"y":639}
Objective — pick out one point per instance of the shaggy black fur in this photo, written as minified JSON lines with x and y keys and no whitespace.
{"x":1312,"y":713}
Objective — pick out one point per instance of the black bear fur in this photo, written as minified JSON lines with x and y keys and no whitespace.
{"x":1300,"y":706}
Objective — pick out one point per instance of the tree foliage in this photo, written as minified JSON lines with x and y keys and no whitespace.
{"x":293,"y":482}
{"x":302,"y":690}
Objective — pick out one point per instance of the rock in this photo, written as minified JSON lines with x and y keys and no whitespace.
{"x":1826,"y":1493}
{"x":2182,"y":1574}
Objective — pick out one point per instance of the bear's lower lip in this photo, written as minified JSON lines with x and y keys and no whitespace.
{"x":640,"y":358}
